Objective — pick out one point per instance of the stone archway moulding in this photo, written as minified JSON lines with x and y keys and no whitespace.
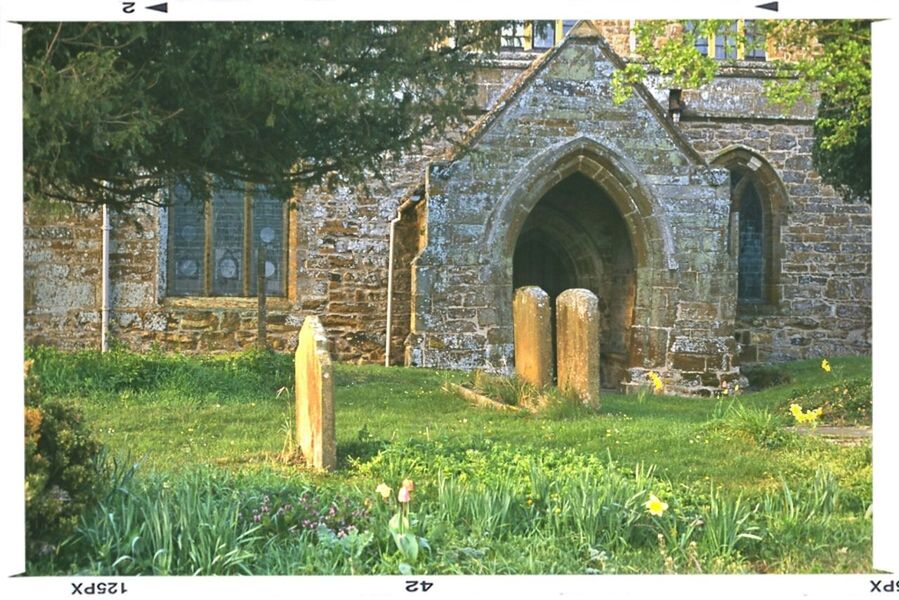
{"x":648,"y":229}
{"x":737,"y":155}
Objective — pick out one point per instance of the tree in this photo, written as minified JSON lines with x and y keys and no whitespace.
{"x":828,"y":61}
{"x":113,"y":112}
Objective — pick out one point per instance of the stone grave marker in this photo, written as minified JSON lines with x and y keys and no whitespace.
{"x":315,"y":396}
{"x":531,"y":317}
{"x":577,"y":344}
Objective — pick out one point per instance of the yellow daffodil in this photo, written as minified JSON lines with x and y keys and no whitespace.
{"x":656,"y":381}
{"x":825,"y":365}
{"x":384,"y":490}
{"x":655,"y":506}
{"x":802,"y":416}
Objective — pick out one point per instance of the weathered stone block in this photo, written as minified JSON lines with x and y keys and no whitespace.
{"x":577,"y":335}
{"x":315,"y":396}
{"x":531,"y":315}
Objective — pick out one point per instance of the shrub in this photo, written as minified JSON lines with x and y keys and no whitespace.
{"x":60,"y":468}
{"x":756,"y":424}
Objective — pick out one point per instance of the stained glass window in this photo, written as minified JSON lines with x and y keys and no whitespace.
{"x":214,"y":242}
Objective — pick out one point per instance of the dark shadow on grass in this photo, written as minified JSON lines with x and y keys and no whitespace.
{"x":358,"y":450}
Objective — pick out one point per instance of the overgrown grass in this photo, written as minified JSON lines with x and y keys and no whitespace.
{"x":495,"y":493}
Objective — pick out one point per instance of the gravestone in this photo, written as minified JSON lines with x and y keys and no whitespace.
{"x":577,"y":344}
{"x":533,"y":335}
{"x":315,"y":396}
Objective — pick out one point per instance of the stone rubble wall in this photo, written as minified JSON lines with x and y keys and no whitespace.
{"x":824,"y":306}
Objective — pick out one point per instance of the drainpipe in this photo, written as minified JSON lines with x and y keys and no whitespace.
{"x":393,"y":222}
{"x":104,"y":309}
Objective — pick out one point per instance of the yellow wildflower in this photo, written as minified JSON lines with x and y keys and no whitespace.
{"x":825,"y":365}
{"x":656,"y":381}
{"x":802,"y":416}
{"x":655,"y":506}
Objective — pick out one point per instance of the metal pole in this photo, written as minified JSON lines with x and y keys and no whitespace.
{"x":260,"y":295}
{"x":104,"y":307}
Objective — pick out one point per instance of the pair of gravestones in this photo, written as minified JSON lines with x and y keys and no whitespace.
{"x":577,"y":340}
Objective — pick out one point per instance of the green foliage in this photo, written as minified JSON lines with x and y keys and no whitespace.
{"x":252,"y":372}
{"x":549,"y":402}
{"x":843,"y":400}
{"x":113,"y":111}
{"x":495,"y":492}
{"x":846,"y":166}
{"x":727,"y":526}
{"x":192,"y":526}
{"x":61,"y":469}
{"x":832,"y":59}
{"x":825,"y":61}
{"x":513,"y":391}
{"x":756,"y":424}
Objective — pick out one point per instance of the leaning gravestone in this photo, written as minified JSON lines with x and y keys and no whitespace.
{"x":577,"y":344}
{"x":315,"y":396}
{"x":533,"y":335}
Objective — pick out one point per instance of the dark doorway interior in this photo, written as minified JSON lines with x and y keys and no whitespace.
{"x":575,"y":237}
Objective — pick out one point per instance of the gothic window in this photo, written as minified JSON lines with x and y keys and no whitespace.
{"x":724,"y":42}
{"x":513,"y":35}
{"x":756,"y":206}
{"x":701,"y":43}
{"x":215,"y":242}
{"x":751,"y":269}
{"x":755,"y":42}
{"x":544,"y":34}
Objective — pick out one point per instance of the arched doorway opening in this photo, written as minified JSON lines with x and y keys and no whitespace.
{"x":576,"y":237}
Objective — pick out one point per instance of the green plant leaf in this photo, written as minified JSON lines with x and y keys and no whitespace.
{"x":408,"y":545}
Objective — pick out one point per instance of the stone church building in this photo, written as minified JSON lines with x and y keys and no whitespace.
{"x":696,"y":217}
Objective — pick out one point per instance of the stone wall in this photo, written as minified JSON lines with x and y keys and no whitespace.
{"x":63,"y":246}
{"x":823,"y":305}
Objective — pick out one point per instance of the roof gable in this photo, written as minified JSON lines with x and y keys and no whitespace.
{"x":581,"y":45}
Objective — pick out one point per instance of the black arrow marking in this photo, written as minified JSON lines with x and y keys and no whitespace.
{"x":164,"y":7}
{"x":768,"y":6}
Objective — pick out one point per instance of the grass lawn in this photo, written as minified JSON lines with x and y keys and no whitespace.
{"x":495,"y":492}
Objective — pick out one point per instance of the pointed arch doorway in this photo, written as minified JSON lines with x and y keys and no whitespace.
{"x":576,"y":237}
